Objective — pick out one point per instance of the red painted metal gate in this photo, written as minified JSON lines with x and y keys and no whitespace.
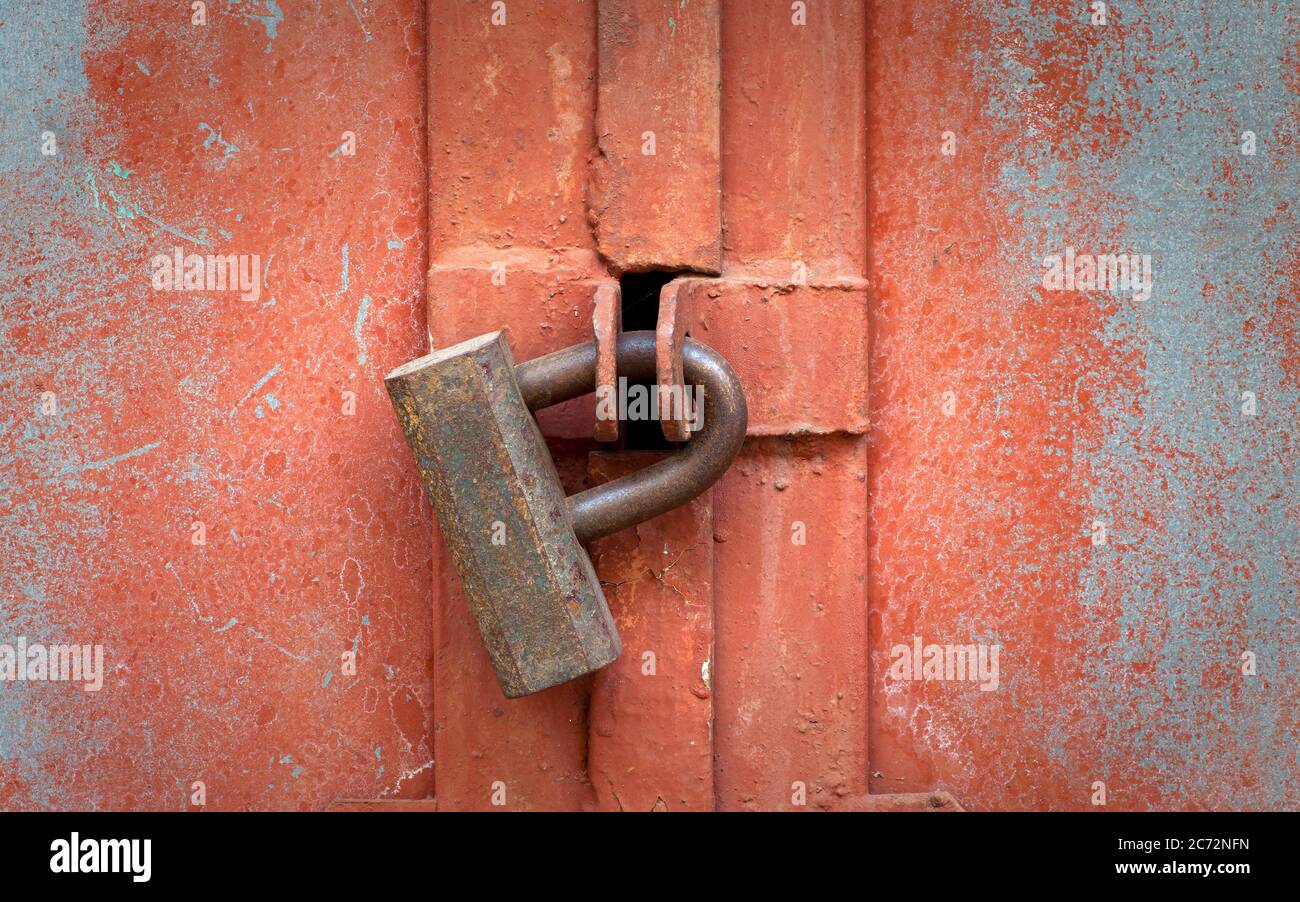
{"x":571,"y":145}
{"x":850,"y":201}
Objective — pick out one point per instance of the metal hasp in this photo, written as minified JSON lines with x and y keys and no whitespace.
{"x":515,"y":538}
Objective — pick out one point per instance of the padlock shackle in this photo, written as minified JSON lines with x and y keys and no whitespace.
{"x":668,"y":483}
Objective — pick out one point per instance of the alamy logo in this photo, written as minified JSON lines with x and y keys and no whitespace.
{"x":972,"y":662}
{"x":1102,"y":272}
{"x":180,"y":271}
{"x":644,"y":402}
{"x":102,"y":856}
{"x":83,"y":664}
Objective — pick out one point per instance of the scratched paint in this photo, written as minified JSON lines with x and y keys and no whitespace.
{"x":1121,"y":661}
{"x":154,"y":511}
{"x":1204,"y":565}
{"x":362,"y":309}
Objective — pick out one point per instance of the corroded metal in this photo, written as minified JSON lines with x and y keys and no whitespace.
{"x":493,"y":484}
{"x":513,"y":536}
{"x":675,"y":413}
{"x":662,"y":486}
{"x":606,"y":324}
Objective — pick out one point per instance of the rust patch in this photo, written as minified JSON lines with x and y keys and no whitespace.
{"x":606,"y":323}
{"x":675,"y":413}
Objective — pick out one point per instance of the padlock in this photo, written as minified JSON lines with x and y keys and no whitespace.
{"x":515,"y":538}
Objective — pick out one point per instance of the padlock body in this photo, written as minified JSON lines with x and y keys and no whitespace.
{"x":502,"y":513}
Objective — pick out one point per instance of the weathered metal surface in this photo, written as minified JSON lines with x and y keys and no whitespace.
{"x":510,"y":123}
{"x":793,"y":175}
{"x":524,"y":754}
{"x":664,"y":485}
{"x":1005,"y":419}
{"x":1100,"y":483}
{"x":650,"y":734}
{"x":480,"y":290}
{"x":791,"y":619}
{"x":675,"y":411}
{"x":1062,"y":404}
{"x":654,"y":187}
{"x":606,"y":324}
{"x":502,"y":513}
{"x":510,"y":129}
{"x":217,"y":492}
{"x":791,"y":308}
{"x":799,"y":347}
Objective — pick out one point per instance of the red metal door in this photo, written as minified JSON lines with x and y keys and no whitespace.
{"x":1063,"y":481}
{"x":576,"y":143}
{"x":854,"y":202}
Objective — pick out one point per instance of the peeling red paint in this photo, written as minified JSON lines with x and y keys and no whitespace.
{"x":934,"y":437}
{"x":650,"y":734}
{"x":654,"y":200}
{"x":224,"y":658}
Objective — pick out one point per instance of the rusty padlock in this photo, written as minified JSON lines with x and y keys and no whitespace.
{"x":514,"y":536}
